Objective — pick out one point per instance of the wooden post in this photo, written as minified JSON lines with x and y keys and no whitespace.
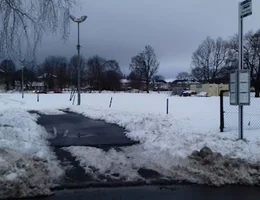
{"x":110,"y":103}
{"x":73,"y":99}
{"x":167,"y":106}
{"x":221,"y":127}
{"x":72,"y":94}
{"x":38,"y":97}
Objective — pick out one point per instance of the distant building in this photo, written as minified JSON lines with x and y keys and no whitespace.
{"x":182,"y":84}
{"x":46,"y":75}
{"x":132,"y":84}
{"x":125,"y":84}
{"x":210,"y":89}
{"x":160,"y":85}
{"x":30,"y":86}
{"x":49,"y":80}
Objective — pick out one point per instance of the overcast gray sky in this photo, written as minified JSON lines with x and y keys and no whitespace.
{"x":119,"y":29}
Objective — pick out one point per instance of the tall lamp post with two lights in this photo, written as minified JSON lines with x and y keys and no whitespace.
{"x":78,"y":21}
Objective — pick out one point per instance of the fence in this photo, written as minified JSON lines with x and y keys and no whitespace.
{"x":229,"y":114}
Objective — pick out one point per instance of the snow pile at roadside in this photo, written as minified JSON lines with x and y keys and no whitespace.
{"x":179,"y":137}
{"x":208,"y":167}
{"x":202,"y":167}
{"x":113,"y":164}
{"x":27,"y":165}
{"x":125,"y":162}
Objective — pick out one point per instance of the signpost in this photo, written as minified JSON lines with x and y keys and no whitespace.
{"x":240,"y":80}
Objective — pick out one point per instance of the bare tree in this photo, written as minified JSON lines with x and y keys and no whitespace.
{"x":95,"y":72}
{"x":145,"y":64}
{"x":61,"y":72}
{"x":103,"y":74}
{"x":8,"y":67}
{"x":24,"y":23}
{"x":112,"y":80}
{"x":232,"y":59}
{"x":209,"y":60}
{"x":158,"y":78}
{"x":183,"y":76}
{"x":252,"y":58}
{"x":135,"y":80}
{"x":73,"y":70}
{"x":113,"y":76}
{"x":29,"y":76}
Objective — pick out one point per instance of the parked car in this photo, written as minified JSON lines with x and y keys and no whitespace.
{"x":188,"y":93}
{"x":41,"y":91}
{"x":57,"y":91}
{"x":203,"y":94}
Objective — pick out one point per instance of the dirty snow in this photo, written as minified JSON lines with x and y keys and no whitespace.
{"x":204,"y":167}
{"x":28,"y":167}
{"x":125,"y":161}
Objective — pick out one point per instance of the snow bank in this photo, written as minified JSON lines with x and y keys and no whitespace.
{"x":204,"y":167}
{"x":27,"y":165}
{"x":125,"y":161}
{"x":180,"y":137}
{"x":23,"y":175}
{"x":113,"y":164}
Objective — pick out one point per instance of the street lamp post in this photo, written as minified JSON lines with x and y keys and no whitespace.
{"x":22,"y":61}
{"x":78,"y":21}
{"x":22,"y":84}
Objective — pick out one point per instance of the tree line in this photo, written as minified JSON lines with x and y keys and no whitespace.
{"x":97,"y":73}
{"x":213,"y":60}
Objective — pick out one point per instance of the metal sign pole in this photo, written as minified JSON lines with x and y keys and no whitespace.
{"x":243,"y":79}
{"x":240,"y":66}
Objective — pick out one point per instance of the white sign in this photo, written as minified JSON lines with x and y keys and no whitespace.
{"x":239,"y":88}
{"x":233,"y":93}
{"x":246,"y":8}
{"x":244,"y":87}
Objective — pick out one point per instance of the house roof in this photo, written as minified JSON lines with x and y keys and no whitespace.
{"x":170,"y":80}
{"x":37,"y":84}
{"x":124,"y":81}
{"x":185,"y":82}
{"x":160,"y":81}
{"x":46,"y":75}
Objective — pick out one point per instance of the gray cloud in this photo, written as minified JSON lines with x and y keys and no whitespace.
{"x":119,"y":29}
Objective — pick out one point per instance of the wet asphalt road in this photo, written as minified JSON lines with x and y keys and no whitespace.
{"x":83,"y":131}
{"x":160,"y":193}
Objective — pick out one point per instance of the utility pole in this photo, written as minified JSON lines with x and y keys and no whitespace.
{"x":22,"y":83}
{"x":79,"y":67}
{"x":22,"y":89}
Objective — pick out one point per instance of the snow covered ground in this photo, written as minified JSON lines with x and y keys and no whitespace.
{"x":166,"y":140}
{"x":192,"y":122}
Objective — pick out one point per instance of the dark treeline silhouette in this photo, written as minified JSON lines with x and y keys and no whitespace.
{"x":97,"y":73}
